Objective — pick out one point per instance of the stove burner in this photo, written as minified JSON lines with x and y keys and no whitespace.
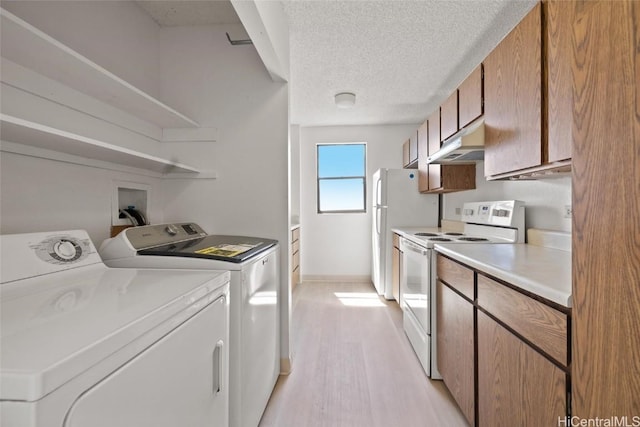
{"x":453,"y":234}
{"x":473,"y":239}
{"x":427,"y":234}
{"x":439,"y":239}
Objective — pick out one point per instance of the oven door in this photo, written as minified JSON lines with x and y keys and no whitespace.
{"x":415,"y":283}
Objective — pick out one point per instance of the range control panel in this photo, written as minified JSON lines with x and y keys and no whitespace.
{"x":507,"y":213}
{"x":155,"y":235}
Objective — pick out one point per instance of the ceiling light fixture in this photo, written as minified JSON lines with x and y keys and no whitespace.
{"x":345,"y":99}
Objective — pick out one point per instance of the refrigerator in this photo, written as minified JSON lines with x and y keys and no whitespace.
{"x":396,"y":203}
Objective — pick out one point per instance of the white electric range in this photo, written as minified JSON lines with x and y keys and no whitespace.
{"x":497,"y":222}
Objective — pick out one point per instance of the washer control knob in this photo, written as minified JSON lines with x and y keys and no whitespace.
{"x":65,"y":249}
{"x":171,"y":229}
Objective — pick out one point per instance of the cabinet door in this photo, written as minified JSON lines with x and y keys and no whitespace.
{"x":413,"y":147}
{"x":395,"y":268}
{"x":455,"y":347}
{"x":470,"y":98}
{"x":513,"y":105}
{"x":423,"y":150}
{"x":558,"y":20}
{"x":449,"y":116}
{"x":434,"y":145}
{"x":517,"y":386}
{"x":405,"y":153}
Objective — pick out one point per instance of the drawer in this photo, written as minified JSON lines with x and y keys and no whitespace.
{"x":295,"y":247}
{"x":456,"y":276}
{"x":295,"y":234}
{"x":396,"y":240}
{"x":543,"y":326}
{"x":295,"y":261}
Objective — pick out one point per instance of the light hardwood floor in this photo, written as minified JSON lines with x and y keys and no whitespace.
{"x":353,"y":366}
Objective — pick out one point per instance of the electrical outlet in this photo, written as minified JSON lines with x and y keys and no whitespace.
{"x":458,"y":211}
{"x":567,"y":211}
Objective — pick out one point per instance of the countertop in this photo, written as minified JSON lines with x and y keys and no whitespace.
{"x":542,"y":271}
{"x":294,"y":226}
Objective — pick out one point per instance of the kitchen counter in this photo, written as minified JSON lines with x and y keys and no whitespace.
{"x":294,"y":226}
{"x":541,"y":271}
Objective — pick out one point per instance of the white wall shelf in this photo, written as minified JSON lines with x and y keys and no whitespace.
{"x":26,"y":45}
{"x":26,"y":132}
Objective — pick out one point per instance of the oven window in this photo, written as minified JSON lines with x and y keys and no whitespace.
{"x":342,"y":178}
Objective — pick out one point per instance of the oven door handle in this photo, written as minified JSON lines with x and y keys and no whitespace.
{"x":406,"y":245}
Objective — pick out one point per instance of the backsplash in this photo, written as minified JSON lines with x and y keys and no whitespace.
{"x":545,"y":199}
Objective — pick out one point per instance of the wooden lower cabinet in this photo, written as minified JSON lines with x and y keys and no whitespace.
{"x":455,"y":347}
{"x":517,"y":386}
{"x":396,"y":259}
{"x":295,"y":257}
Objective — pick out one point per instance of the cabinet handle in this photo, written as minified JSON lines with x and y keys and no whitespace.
{"x":218,"y":367}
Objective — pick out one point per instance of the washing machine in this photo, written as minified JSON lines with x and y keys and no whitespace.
{"x":84,"y":345}
{"x":254,"y":315}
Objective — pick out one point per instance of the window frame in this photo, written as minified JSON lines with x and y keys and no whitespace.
{"x":363,"y":177}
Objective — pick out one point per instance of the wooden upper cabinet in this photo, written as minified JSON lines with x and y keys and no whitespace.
{"x":410,"y":152}
{"x":434,"y":145}
{"x":528,"y":95}
{"x":449,"y":116}
{"x":558,"y":78}
{"x":441,"y":178}
{"x":513,"y":104}
{"x":423,"y":150}
{"x":470,"y":98}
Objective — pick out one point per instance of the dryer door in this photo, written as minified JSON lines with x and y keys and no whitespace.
{"x":181,"y":380}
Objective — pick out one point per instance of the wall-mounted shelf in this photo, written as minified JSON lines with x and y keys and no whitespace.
{"x":26,"y":45}
{"x":45,"y":137}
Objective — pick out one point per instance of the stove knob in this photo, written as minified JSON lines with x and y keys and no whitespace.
{"x":65,"y":249}
{"x":171,"y":229}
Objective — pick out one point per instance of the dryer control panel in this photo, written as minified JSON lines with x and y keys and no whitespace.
{"x":162,"y":234}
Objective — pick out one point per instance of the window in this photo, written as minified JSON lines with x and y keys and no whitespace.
{"x":341,"y":178}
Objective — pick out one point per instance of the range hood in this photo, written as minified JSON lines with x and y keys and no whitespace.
{"x":466,"y":146}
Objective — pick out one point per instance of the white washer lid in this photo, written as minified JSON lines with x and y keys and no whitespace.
{"x":55,"y":326}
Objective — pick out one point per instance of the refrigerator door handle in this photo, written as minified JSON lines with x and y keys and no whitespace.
{"x":378,"y":220}
{"x":378,"y":183}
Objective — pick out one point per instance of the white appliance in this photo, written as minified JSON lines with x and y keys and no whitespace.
{"x":485,"y":222}
{"x":396,"y":202}
{"x":254,"y":316}
{"x":86,"y":345}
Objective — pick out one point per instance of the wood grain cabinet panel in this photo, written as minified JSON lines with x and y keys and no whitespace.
{"x":470,"y":98}
{"x":423,"y":154}
{"x":456,"y":275}
{"x":434,"y":145}
{"x":449,"y":116}
{"x":517,"y":386}
{"x":542,"y":325}
{"x":606,"y":146}
{"x":558,"y":16}
{"x":410,"y":152}
{"x":455,"y":348}
{"x":513,"y":104}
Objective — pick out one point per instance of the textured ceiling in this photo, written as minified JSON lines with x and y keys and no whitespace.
{"x":401,"y":58}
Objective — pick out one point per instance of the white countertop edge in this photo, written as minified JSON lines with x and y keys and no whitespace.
{"x":525,"y":283}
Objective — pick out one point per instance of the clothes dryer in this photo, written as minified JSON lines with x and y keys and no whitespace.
{"x":87,"y":345}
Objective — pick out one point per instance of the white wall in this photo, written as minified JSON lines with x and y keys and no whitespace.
{"x":340,"y":244}
{"x":116,"y":35}
{"x":43,"y":195}
{"x":227,"y":87}
{"x":46,"y":195}
{"x":545,"y":199}
{"x":294,"y":152}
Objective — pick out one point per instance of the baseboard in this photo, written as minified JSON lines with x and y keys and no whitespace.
{"x":285,"y":366}
{"x":337,"y":278}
